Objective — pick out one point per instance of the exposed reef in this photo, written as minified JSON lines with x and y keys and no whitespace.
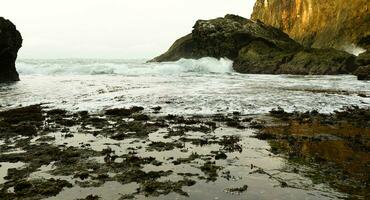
{"x":318,"y":23}
{"x":46,"y":153}
{"x":10,"y":43}
{"x":257,"y":48}
{"x":336,"y":146}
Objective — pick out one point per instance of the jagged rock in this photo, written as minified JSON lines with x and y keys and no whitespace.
{"x":224,"y":37}
{"x":256,"y":48}
{"x":363,"y":73}
{"x":318,"y":23}
{"x":10,"y":43}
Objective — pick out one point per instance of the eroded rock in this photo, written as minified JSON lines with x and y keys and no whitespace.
{"x":257,"y":48}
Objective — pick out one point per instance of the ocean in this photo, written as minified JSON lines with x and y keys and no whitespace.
{"x":204,"y":86}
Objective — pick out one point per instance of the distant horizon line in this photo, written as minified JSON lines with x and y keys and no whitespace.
{"x":82,"y":58}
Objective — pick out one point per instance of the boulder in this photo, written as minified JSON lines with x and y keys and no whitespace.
{"x":10,"y":43}
{"x":363,"y":73}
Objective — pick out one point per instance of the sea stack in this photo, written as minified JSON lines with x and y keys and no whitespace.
{"x":257,"y":48}
{"x":10,"y":43}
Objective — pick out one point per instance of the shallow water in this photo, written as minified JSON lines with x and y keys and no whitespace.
{"x":236,"y":170}
{"x":204,"y":86}
{"x":190,"y":87}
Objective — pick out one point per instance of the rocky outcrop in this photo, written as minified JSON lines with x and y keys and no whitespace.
{"x":319,"y":23}
{"x":10,"y":43}
{"x":256,"y":48}
{"x":224,"y":37}
{"x":363,"y":73}
{"x":363,"y":59}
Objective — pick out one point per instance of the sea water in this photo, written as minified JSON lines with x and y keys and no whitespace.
{"x":204,"y":86}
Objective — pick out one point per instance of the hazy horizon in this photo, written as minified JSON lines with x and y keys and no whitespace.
{"x":112,"y":29}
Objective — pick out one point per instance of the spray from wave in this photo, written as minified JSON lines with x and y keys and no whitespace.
{"x":353,"y":49}
{"x":123,"y":67}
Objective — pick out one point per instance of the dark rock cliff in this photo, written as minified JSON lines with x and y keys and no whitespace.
{"x":224,"y":37}
{"x":256,"y":48}
{"x":319,"y":23}
{"x":10,"y":43}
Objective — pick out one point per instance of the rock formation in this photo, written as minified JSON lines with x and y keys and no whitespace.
{"x":256,"y":48}
{"x":363,"y":73}
{"x":10,"y":43}
{"x":319,"y":23}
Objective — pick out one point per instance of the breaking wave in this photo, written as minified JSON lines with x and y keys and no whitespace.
{"x":353,"y":49}
{"x":124,"y":67}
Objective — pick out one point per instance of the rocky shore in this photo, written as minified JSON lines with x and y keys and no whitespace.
{"x":10,"y":43}
{"x":259,"y":48}
{"x":58,"y":151}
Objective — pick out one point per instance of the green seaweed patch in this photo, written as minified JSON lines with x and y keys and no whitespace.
{"x":210,"y":169}
{"x":193,"y":156}
{"x":164,"y":146}
{"x":37,"y":189}
{"x":237,"y":190}
{"x":155,"y":188}
{"x":91,"y":197}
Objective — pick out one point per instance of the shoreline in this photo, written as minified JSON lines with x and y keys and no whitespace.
{"x":167,"y":155}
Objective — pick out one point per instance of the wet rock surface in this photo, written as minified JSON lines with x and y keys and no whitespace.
{"x":256,"y":48}
{"x":336,"y":146}
{"x":10,"y":43}
{"x":77,"y":155}
{"x":363,"y":73}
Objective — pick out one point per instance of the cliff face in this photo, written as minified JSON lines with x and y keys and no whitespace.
{"x":10,"y":42}
{"x":319,"y":23}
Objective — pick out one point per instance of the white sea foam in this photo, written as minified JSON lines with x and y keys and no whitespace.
{"x":353,"y":49}
{"x":124,"y":67}
{"x":204,"y":86}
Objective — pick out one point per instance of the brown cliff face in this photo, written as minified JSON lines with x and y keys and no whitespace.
{"x":319,"y":23}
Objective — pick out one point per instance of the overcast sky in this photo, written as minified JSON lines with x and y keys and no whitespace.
{"x":109,"y":28}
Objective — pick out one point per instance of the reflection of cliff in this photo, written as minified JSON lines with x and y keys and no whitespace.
{"x":319,"y":23}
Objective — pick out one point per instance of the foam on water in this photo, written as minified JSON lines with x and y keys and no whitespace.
{"x":204,"y":86}
{"x":353,"y":49}
{"x":123,"y":67}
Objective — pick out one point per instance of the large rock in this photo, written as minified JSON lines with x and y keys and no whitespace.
{"x":363,"y":73}
{"x":257,"y":58}
{"x":319,"y":61}
{"x":10,"y":43}
{"x":363,"y":59}
{"x":256,"y":48}
{"x":224,"y":37}
{"x":318,"y":23}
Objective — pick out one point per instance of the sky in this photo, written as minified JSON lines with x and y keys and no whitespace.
{"x":126,"y":29}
